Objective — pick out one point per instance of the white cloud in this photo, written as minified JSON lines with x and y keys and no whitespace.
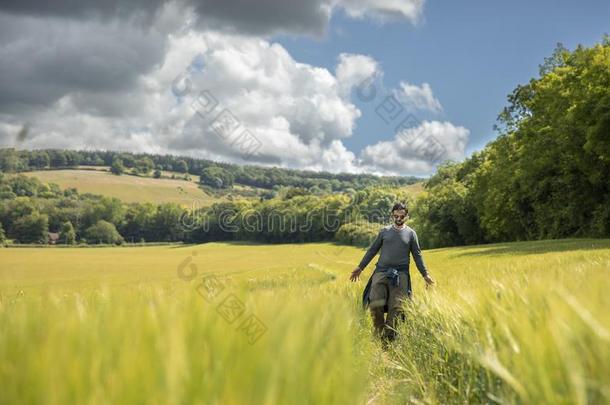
{"x":107,"y":84}
{"x":416,"y":150}
{"x":418,"y":97}
{"x":353,"y":69}
{"x":294,"y":109}
{"x":300,"y":113}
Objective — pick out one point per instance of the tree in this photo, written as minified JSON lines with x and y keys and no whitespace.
{"x":67,"y":234}
{"x":546,"y":175}
{"x":216,"y":177}
{"x":557,"y":59}
{"x":23,"y":185}
{"x":157,"y":174}
{"x":10,"y":160}
{"x":58,"y":158}
{"x":137,"y":222}
{"x":294,"y":192}
{"x":117,"y":167}
{"x":2,"y":235}
{"x":144,"y":165}
{"x":103,"y":232}
{"x":182,"y":166}
{"x":167,"y":224}
{"x":73,"y":158}
{"x":109,"y":209}
{"x":40,"y":159}
{"x":128,"y":160}
{"x":33,"y":228}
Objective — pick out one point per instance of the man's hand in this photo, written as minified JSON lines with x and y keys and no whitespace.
{"x":355,"y":274}
{"x":429,"y":281}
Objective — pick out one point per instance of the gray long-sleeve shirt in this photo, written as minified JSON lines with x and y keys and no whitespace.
{"x":395,"y":245}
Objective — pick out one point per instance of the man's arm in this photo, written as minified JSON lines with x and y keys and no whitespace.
{"x":372,"y":251}
{"x":416,"y":252}
{"x":368,"y":256}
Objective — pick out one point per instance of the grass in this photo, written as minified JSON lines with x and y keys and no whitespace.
{"x":414,"y":189}
{"x":506,"y":323}
{"x":128,"y":188}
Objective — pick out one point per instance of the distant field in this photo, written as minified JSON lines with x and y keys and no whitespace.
{"x":507,"y":323}
{"x":128,"y":188}
{"x":98,"y":180}
{"x":415,"y":189}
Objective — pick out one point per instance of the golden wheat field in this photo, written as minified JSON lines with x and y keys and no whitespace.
{"x":238,"y":323}
{"x":128,"y":188}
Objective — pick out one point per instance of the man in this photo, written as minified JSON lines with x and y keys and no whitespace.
{"x":390,"y":283}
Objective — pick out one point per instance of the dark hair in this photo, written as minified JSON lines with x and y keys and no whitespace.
{"x":400,"y":206}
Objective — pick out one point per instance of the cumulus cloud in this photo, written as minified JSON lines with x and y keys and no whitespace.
{"x":353,"y":69}
{"x":418,"y":97}
{"x":127,"y":76}
{"x":416,"y":150}
{"x":294,"y":110}
{"x":288,"y":106}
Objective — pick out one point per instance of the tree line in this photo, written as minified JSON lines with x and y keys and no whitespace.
{"x":546,"y":176}
{"x":214,"y":174}
{"x":30,"y":209}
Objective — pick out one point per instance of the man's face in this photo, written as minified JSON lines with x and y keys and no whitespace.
{"x":399,"y":216}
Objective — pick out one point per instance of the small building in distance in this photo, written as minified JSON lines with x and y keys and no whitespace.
{"x":53,"y":238}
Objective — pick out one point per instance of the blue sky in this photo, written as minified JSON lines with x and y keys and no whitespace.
{"x":285,"y":73}
{"x":472,"y":53}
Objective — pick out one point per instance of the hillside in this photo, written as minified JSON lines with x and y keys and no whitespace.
{"x":128,"y":188}
{"x":13,"y":160}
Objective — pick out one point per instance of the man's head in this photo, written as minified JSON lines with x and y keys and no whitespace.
{"x":399,"y":213}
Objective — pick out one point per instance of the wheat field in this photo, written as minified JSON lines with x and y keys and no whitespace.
{"x":236,"y":323}
{"x":128,"y":188}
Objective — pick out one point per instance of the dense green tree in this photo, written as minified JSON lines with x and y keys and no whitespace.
{"x":2,"y":235}
{"x":129,"y":161}
{"x":216,"y":177}
{"x":117,"y":167}
{"x":39,"y":160}
{"x":10,"y":161}
{"x":360,"y":233}
{"x":103,"y":232}
{"x":103,"y":208}
{"x":166,"y":223}
{"x":67,"y":234}
{"x":138,"y":223}
{"x":292,"y":192}
{"x":32,"y":228}
{"x":144,"y":165}
{"x":13,"y":209}
{"x":181,"y":166}
{"x":58,"y":158}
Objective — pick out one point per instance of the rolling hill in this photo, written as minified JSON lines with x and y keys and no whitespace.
{"x":130,"y":188}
